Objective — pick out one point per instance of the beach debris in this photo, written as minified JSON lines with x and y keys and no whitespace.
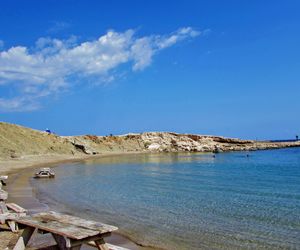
{"x":3,"y":193}
{"x":3,"y":179}
{"x":9,"y":211}
{"x":45,"y":173}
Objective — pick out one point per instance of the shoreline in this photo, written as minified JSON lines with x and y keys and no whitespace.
{"x":22,"y":147}
{"x":28,"y":194}
{"x":22,"y":192}
{"x":34,"y":161}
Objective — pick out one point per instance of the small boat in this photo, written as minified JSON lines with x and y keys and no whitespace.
{"x":45,"y":173}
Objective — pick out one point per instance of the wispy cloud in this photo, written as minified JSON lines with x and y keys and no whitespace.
{"x":53,"y":64}
{"x":1,"y":44}
{"x":57,"y":26}
{"x":17,"y":104}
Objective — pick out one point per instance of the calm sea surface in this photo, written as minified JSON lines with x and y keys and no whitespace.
{"x":187,"y":201}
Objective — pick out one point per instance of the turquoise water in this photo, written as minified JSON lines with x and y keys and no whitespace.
{"x":188,"y":201}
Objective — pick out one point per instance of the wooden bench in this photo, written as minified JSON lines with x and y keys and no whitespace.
{"x":8,"y":213}
{"x":16,"y":208}
{"x":69,"y":232}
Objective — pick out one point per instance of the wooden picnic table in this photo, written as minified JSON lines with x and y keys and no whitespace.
{"x":69,"y":232}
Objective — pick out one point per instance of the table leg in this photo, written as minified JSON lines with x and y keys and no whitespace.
{"x":27,"y":233}
{"x":101,"y":245}
{"x":24,"y":238}
{"x":13,"y":226}
{"x":64,"y":243}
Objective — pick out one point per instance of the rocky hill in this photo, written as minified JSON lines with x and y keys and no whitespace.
{"x":17,"y":142}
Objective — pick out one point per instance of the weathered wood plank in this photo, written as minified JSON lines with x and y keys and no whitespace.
{"x":113,"y":247}
{"x":67,"y":230}
{"x":66,"y":225}
{"x":24,"y":238}
{"x":16,"y":208}
{"x":76,"y":221}
{"x":27,"y":233}
{"x":12,"y":225}
{"x":65,"y":244}
{"x":20,"y":244}
{"x":89,"y":239}
{"x":101,"y":245}
{"x":6,"y":216}
{"x":61,"y":241}
{"x":110,"y":246}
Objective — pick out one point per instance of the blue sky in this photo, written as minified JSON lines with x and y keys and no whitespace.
{"x":98,"y":67}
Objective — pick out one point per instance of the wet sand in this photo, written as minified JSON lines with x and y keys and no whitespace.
{"x":22,"y":193}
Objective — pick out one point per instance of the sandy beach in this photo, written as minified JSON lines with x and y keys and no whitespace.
{"x":22,"y":193}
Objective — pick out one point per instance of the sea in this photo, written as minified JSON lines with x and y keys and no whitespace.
{"x":234,"y":200}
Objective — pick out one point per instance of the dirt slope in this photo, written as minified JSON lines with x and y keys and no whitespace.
{"x":18,"y":142}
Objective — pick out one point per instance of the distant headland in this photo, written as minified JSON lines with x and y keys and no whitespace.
{"x":21,"y":146}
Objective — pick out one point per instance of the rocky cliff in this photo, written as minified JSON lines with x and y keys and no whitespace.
{"x":169,"y":142}
{"x":17,"y":142}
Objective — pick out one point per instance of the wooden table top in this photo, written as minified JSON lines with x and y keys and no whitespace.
{"x":66,"y":225}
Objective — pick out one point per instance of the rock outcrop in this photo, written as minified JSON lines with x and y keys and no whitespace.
{"x":18,"y":142}
{"x":169,"y":142}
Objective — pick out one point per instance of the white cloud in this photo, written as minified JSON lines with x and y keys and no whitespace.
{"x":48,"y":67}
{"x":18,"y":104}
{"x":177,"y":36}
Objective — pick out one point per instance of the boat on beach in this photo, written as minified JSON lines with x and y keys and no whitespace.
{"x":45,"y":173}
